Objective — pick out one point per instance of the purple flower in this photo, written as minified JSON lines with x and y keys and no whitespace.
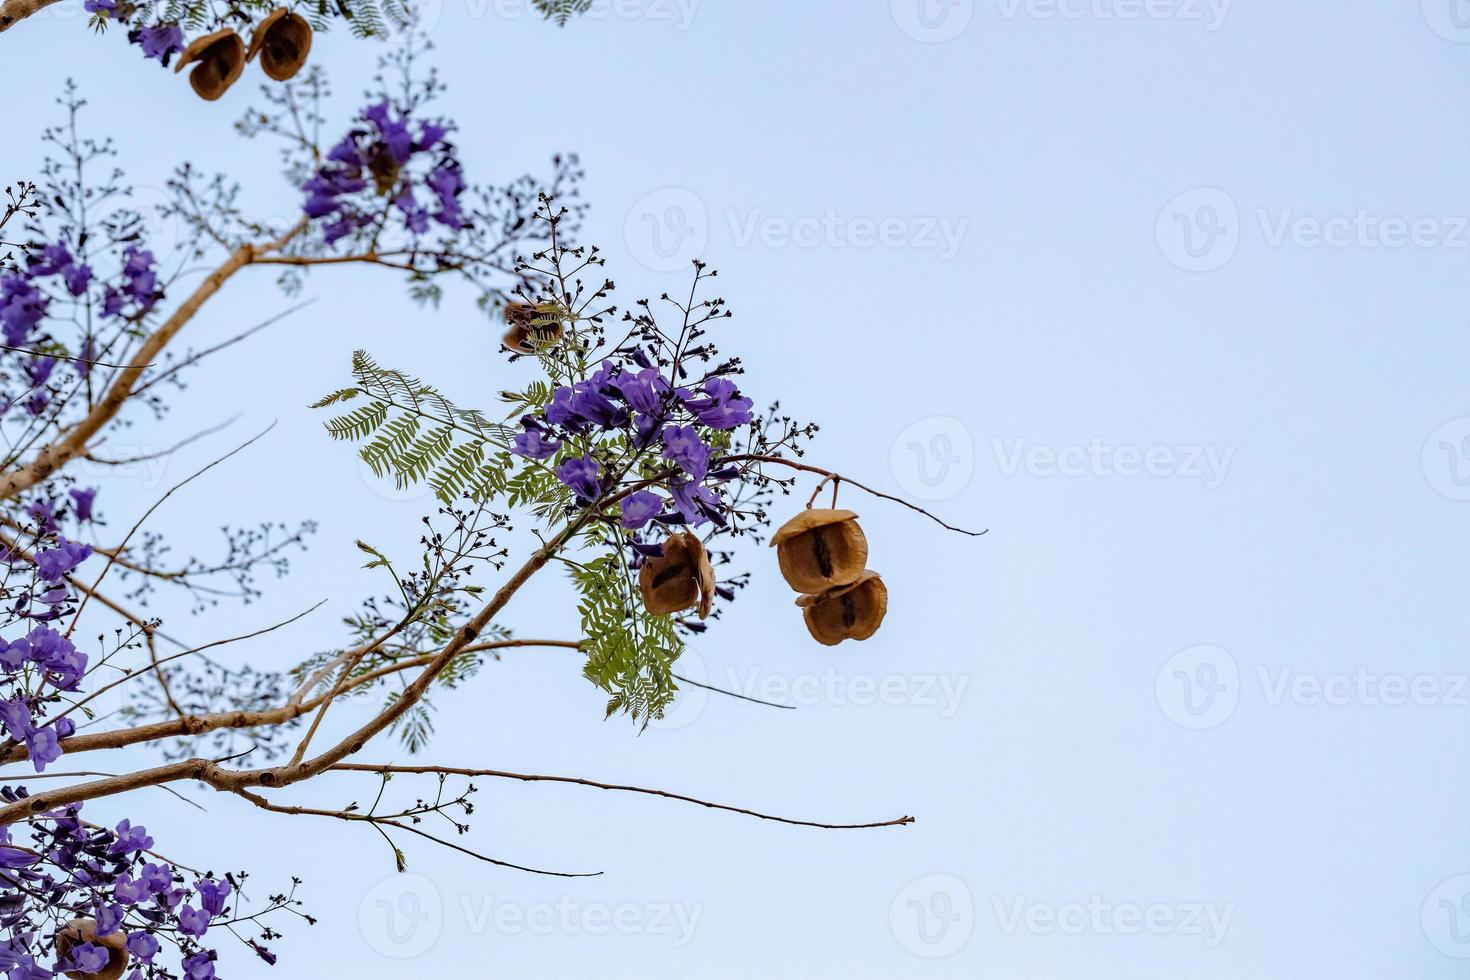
{"x":22,"y":307}
{"x":581,"y":475}
{"x":683,"y":446}
{"x":200,"y":966}
{"x":130,"y":891}
{"x":89,"y":958}
{"x":53,"y":565}
{"x":639,"y":508}
{"x":15,"y":714}
{"x":44,"y":748}
{"x":696,"y":502}
{"x":212,"y":895}
{"x":17,"y":857}
{"x":643,"y":390}
{"x":724,"y":408}
{"x":143,"y":946}
{"x":130,"y":839}
{"x":192,"y":921}
{"x":82,"y":503}
{"x":98,"y":6}
{"x":162,"y":41}
{"x":109,"y":919}
{"x":533,"y":445}
{"x":158,"y":877}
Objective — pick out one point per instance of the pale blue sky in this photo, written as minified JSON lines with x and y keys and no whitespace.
{"x":976,"y":246}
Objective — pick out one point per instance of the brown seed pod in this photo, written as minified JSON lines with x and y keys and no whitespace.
{"x":820,"y":548}
{"x":221,"y":59}
{"x":282,"y":40}
{"x":847,"y":612}
{"x":79,"y":931}
{"x":532,"y":326}
{"x":680,"y":579}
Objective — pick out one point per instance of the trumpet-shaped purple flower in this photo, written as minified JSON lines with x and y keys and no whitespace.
{"x":642,"y":390}
{"x":212,"y":895}
{"x":200,"y":966}
{"x":52,"y":565}
{"x":683,"y":446}
{"x":130,"y":839}
{"x":143,"y":946}
{"x":192,"y":921}
{"x":88,"y":958}
{"x":533,"y":445}
{"x":639,"y":508}
{"x":161,"y":41}
{"x":581,"y":475}
{"x":722,"y":407}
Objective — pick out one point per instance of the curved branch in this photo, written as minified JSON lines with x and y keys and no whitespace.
{"x":576,"y":781}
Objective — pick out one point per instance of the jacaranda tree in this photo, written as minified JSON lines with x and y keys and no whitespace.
{"x":621,"y":434}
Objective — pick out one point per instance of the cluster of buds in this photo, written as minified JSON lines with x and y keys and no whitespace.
{"x":823,"y":554}
{"x":281,"y":41}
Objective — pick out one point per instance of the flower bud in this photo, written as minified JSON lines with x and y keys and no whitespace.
{"x":532,"y":326}
{"x":221,"y":59}
{"x":282,"y":40}
{"x":680,"y":579}
{"x":846,"y":612}
{"x":79,"y":931}
{"x":819,"y":549}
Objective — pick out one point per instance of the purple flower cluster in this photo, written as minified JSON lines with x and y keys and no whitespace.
{"x":138,"y":289}
{"x":107,"y":876}
{"x":24,"y":304}
{"x":54,"y":661}
{"x":636,"y":399}
{"x":380,"y":155}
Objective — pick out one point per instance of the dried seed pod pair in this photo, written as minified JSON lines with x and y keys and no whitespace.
{"x":823,"y":554}
{"x":79,"y":931}
{"x":681,"y":578}
{"x":532,"y":326}
{"x":282,"y":41}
